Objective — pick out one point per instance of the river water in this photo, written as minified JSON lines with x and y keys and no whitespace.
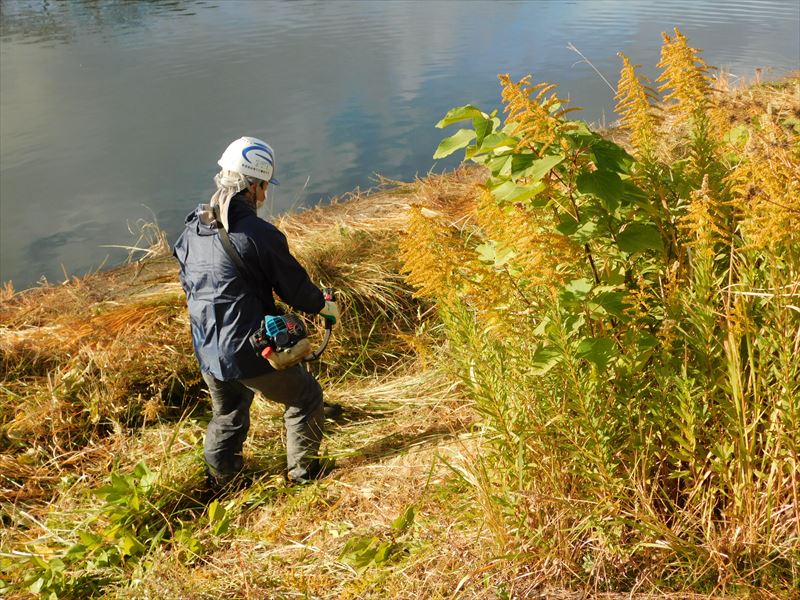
{"x":113,"y":111}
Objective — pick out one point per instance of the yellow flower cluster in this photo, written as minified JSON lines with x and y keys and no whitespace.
{"x":685,"y":74}
{"x":766,"y":187}
{"x":636,"y":105}
{"x":534,"y":119}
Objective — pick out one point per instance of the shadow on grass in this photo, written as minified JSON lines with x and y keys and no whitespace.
{"x":400,"y":442}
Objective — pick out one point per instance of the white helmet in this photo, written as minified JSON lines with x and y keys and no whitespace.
{"x":251,"y":157}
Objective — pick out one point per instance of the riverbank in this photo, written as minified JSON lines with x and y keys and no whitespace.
{"x":99,"y":376}
{"x":102,"y":417}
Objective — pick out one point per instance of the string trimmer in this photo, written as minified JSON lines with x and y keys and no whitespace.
{"x":283,"y":339}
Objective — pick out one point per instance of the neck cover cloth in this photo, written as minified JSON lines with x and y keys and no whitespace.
{"x":229,"y":183}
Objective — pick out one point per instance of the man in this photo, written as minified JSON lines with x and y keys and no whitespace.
{"x":229,"y":290}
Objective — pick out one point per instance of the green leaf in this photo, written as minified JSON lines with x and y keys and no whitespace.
{"x":609,"y":156}
{"x":76,"y":551}
{"x":458,"y":140}
{"x":218,"y":517}
{"x":460,"y":113}
{"x":632,"y":193}
{"x":605,"y":185}
{"x":567,"y":225}
{"x":612,"y":303}
{"x":598,"y":351}
{"x":491,"y":254}
{"x":736,"y":134}
{"x":130,"y":546}
{"x":500,"y":166}
{"x":538,"y":168}
{"x":89,"y":539}
{"x":637,"y":237}
{"x":576,"y":290}
{"x":383,"y":553}
{"x":493,"y":141}
{"x":360,"y":551}
{"x":585,"y":232}
{"x":215,"y":512}
{"x":482,"y":127}
{"x":406,"y":520}
{"x":511,"y":192}
{"x":545,"y":358}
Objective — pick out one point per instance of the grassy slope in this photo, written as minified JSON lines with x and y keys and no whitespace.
{"x":98,"y":375}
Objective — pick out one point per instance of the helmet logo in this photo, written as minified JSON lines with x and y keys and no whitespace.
{"x":261,"y":151}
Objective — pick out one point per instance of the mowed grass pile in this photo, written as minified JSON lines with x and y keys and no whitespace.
{"x":627,"y":320}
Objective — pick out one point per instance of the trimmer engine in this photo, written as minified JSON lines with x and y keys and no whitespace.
{"x":282,"y":340}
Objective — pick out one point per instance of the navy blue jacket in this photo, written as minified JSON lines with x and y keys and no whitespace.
{"x":224,"y":309}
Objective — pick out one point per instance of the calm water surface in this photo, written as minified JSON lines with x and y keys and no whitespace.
{"x":112,"y":111}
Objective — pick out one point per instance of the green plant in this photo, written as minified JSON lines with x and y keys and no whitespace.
{"x":364,"y":552}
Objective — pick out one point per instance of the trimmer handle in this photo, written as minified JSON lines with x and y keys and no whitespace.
{"x":330,"y":296}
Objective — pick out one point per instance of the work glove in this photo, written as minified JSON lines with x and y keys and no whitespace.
{"x":331,"y":310}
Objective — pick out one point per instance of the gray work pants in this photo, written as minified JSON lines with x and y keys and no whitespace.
{"x":295,"y":388}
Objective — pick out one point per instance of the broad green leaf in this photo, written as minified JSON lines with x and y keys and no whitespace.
{"x":605,"y":185}
{"x":792,"y":123}
{"x":637,"y":237}
{"x":632,"y":193}
{"x":360,"y":551}
{"x":735,"y":134}
{"x":500,"y":166}
{"x":383,"y":552}
{"x":545,"y":358}
{"x":585,"y":232}
{"x":576,"y":290}
{"x":89,"y":539}
{"x":540,"y":167}
{"x":598,"y":351}
{"x":580,"y":134}
{"x":458,"y":140}
{"x":130,"y":546}
{"x":609,"y":156}
{"x":567,"y":225}
{"x":511,"y":192}
{"x":221,"y":526}
{"x":494,"y":141}
{"x":486,"y":252}
{"x":460,"y":113}
{"x":76,"y":551}
{"x":612,"y":303}
{"x":215,"y":512}
{"x":482,"y":127}
{"x":406,"y":520}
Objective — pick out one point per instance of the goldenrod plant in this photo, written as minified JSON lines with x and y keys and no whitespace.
{"x":627,"y":322}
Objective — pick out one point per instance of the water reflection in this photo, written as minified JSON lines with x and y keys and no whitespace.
{"x":106,"y":105}
{"x":42,"y":21}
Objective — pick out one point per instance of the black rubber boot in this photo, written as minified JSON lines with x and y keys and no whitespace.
{"x":331,"y":411}
{"x":318,"y":469}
